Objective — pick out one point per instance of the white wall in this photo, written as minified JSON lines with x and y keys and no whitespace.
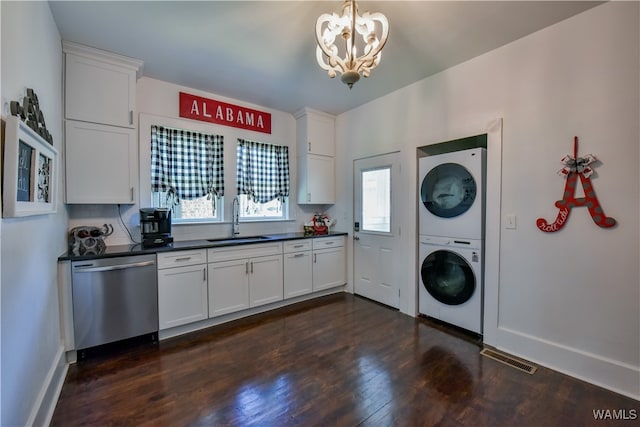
{"x":32,"y":356}
{"x":568,"y":300}
{"x":159,"y":99}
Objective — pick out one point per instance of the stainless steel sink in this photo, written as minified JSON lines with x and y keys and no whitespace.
{"x":239,"y":239}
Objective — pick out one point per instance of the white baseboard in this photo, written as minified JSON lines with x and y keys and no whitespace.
{"x":45,"y":405}
{"x":607,"y":373}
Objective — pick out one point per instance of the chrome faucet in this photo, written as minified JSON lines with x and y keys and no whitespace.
{"x":235,"y":227}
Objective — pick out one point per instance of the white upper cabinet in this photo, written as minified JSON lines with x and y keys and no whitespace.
{"x":316,"y":180}
{"x":101,"y":163}
{"x":315,"y":134}
{"x":99,"y":87}
{"x":101,"y":142}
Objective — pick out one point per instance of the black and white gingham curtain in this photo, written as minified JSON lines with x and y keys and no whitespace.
{"x":186,"y":165}
{"x":263,"y":171}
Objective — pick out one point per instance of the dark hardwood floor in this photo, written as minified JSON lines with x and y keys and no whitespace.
{"x":336,"y":361}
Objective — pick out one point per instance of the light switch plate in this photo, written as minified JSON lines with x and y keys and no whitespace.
{"x":510,"y":222}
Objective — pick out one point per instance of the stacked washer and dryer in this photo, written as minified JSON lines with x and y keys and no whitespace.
{"x":451,"y":227}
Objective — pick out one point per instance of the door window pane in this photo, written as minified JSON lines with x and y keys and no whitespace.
{"x":376,"y":200}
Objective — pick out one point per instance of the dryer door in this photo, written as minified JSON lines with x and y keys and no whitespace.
{"x":448,"y":277}
{"x":448,"y":190}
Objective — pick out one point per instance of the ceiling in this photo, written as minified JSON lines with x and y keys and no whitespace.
{"x":263,"y":52}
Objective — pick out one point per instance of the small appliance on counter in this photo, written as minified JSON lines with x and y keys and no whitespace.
{"x":155,"y":227}
{"x":89,"y":240}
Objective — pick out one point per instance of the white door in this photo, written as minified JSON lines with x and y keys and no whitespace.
{"x":376,"y":230}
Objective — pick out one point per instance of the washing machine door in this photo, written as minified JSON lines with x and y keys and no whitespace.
{"x":448,"y":277}
{"x":448,"y":190}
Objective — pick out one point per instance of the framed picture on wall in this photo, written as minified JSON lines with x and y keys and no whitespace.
{"x":30,"y":172}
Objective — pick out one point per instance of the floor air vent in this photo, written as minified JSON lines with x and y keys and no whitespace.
{"x":508,"y":360}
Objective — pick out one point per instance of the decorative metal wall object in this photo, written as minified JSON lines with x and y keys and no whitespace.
{"x":29,"y":112}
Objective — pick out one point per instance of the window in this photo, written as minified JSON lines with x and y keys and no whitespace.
{"x":195,"y":210}
{"x":275,"y":209}
{"x":263,"y":180}
{"x":376,"y":200}
{"x":187,"y":173}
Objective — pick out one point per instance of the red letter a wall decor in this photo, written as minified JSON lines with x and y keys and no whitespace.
{"x":575,"y":167}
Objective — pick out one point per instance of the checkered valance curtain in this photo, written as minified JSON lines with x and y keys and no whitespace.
{"x":263,"y":171}
{"x":185,"y":164}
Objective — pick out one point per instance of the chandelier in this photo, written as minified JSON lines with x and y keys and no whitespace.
{"x":344,"y":59}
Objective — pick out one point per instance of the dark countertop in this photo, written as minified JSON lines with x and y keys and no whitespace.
{"x":137,"y":249}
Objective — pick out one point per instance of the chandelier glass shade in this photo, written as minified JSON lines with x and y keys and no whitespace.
{"x":338,"y":44}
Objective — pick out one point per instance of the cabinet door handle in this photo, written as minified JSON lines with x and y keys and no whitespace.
{"x":251,"y":267}
{"x":308,"y":197}
{"x":130,"y":117}
{"x":309,"y":146}
{"x":314,"y":258}
{"x":204,"y":274}
{"x":132,"y":194}
{"x":246,"y":267}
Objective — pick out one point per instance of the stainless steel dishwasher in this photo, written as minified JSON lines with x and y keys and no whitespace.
{"x":114,"y":299}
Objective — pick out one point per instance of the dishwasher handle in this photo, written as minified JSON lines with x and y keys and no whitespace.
{"x":88,"y":268}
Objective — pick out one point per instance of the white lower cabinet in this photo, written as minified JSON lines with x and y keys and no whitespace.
{"x":182,"y":288}
{"x":198,"y":284}
{"x":298,"y":268}
{"x":244,"y":276}
{"x":265,"y":280}
{"x":228,"y":287}
{"x":329,"y":263}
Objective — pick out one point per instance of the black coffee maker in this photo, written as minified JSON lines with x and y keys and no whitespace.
{"x":155,"y":227}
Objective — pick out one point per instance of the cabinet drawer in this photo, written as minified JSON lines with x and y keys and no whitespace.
{"x":327,"y":242}
{"x":297,"y":246}
{"x":227,"y":253}
{"x":181,"y":258}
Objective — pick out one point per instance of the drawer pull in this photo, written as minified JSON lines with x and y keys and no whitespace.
{"x":298,"y":246}
{"x":187,"y":258}
{"x":329,"y":243}
{"x":298,"y":255}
